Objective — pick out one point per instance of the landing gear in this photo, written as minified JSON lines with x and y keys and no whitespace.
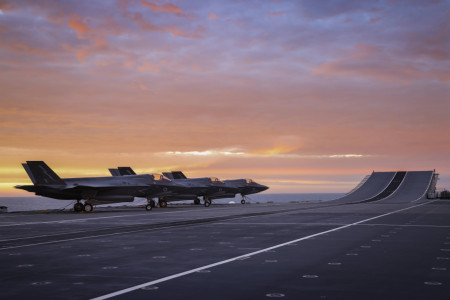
{"x":197,"y":201}
{"x":148,"y":207}
{"x":151,"y":202}
{"x":162,"y":203}
{"x":88,"y":207}
{"x":78,"y":207}
{"x":243,"y":201}
{"x":207,"y":202}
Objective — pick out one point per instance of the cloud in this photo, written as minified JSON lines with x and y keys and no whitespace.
{"x":212,"y":16}
{"x":378,"y":63}
{"x":304,"y":96}
{"x":169,"y":8}
{"x":79,"y":25}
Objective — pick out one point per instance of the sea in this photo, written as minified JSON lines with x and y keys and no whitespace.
{"x":36,"y":203}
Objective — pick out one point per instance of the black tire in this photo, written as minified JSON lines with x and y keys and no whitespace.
{"x":148,"y":207}
{"x":88,"y":207}
{"x":163,"y":204}
{"x":197,"y":201}
{"x":152,"y":203}
{"x":78,"y":207}
{"x":242,"y":201}
{"x":207,"y":203}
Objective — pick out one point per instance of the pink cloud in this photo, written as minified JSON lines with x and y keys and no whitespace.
{"x":376,"y":62}
{"x":79,"y":25}
{"x":212,"y":16}
{"x":170,"y":8}
{"x":6,"y":5}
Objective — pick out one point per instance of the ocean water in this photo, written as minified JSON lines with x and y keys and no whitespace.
{"x":16,"y":204}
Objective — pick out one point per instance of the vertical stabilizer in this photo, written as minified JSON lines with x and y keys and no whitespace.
{"x":126,"y":171}
{"x":178,"y":175}
{"x":27,"y":169}
{"x":40,"y":173}
{"x":168,"y":175}
{"x":114,"y":172}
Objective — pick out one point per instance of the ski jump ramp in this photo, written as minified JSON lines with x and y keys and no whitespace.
{"x":391,"y":187}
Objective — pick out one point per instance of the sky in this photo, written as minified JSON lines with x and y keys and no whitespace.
{"x":304,"y":96}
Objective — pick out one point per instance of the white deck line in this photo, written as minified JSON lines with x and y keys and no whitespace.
{"x":136,"y":287}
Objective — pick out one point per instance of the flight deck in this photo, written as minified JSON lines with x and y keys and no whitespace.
{"x":255,"y":251}
{"x":397,"y":247}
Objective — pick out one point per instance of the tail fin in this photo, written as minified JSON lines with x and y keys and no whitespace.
{"x":126,"y":171}
{"x":40,"y":173}
{"x":114,"y":172}
{"x":174,"y":175}
{"x":178,"y":175}
{"x":168,"y":175}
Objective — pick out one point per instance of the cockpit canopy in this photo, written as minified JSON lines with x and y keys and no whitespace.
{"x":160,"y":177}
{"x":249,"y":181}
{"x":215,"y":180}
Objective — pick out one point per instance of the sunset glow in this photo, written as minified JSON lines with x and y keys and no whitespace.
{"x":303,"y":96}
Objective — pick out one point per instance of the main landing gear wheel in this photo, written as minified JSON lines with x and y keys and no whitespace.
{"x":197,"y":201}
{"x":163,"y":204}
{"x":88,"y":207}
{"x":78,"y":207}
{"x":242,"y":201}
{"x":151,"y":202}
{"x":207,"y":203}
{"x":148,"y":207}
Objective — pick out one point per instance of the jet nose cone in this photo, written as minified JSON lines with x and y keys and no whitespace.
{"x":264,"y":187}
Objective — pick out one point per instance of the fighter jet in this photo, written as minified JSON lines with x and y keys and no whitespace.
{"x":93,"y":190}
{"x":170,"y":188}
{"x":241,"y":186}
{"x":246,"y":187}
{"x":189,"y":188}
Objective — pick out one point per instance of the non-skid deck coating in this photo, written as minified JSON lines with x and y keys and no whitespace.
{"x":293,"y":251}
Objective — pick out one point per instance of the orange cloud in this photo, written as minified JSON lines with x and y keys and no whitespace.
{"x":6,"y":6}
{"x":212,"y":16}
{"x":170,"y":8}
{"x":277,"y":150}
{"x":76,"y":22}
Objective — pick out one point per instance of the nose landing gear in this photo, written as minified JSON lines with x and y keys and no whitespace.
{"x":150,"y":205}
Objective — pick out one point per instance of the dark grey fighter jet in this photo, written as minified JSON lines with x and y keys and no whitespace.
{"x":189,"y":188}
{"x":246,"y":187}
{"x":93,"y":190}
{"x":242,"y":186}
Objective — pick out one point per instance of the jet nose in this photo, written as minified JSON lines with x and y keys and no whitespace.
{"x":263,"y":187}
